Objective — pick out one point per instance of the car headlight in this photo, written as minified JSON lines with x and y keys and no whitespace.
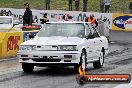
{"x":67,"y":48}
{"x":27,"y":47}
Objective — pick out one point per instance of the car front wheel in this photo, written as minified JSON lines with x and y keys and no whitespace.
{"x":83,"y":62}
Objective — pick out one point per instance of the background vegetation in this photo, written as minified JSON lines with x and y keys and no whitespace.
{"x":93,"y":5}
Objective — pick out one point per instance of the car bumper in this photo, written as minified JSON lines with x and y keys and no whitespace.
{"x":49,"y":57}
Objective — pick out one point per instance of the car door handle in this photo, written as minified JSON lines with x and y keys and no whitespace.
{"x":94,"y":42}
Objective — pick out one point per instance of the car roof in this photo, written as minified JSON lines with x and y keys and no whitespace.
{"x":69,"y":22}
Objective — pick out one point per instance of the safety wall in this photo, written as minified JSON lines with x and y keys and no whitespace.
{"x":114,"y":21}
{"x":2,"y":35}
{"x":58,"y":15}
{"x":122,"y":22}
{"x":10,"y":41}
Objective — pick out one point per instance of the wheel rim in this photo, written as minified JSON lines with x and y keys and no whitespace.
{"x":101,"y":59}
{"x":83,"y":61}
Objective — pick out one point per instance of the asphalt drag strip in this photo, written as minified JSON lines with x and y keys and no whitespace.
{"x":118,"y":61}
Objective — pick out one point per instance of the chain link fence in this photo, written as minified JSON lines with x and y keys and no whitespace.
{"x":120,"y":6}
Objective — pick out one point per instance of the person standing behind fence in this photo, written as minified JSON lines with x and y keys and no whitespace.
{"x":77,"y":2}
{"x":130,"y":7}
{"x":44,"y":19}
{"x":102,"y":2}
{"x":27,"y":17}
{"x":92,"y":20}
{"x":85,"y":2}
{"x":47,"y":4}
{"x":107,"y":6}
{"x":70,"y":4}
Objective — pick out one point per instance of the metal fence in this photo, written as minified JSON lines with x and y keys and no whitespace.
{"x":120,"y":6}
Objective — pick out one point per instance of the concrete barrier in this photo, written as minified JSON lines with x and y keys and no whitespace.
{"x":9,"y":43}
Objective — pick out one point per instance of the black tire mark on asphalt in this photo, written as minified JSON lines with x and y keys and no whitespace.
{"x":11,"y":76}
{"x":114,"y":53}
{"x":98,"y":71}
{"x":43,"y":72}
{"x":123,"y":62}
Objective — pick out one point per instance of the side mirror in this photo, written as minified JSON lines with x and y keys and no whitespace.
{"x":31,"y":36}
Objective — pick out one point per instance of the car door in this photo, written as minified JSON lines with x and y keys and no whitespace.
{"x":89,"y":44}
{"x":97,"y":43}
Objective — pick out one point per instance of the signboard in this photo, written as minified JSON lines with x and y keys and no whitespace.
{"x":9,"y":45}
{"x":122,"y":22}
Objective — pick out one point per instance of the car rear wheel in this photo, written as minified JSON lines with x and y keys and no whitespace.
{"x":27,"y":67}
{"x":100,"y":62}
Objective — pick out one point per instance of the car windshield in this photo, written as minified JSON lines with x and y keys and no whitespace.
{"x":5,"y":20}
{"x":62,"y":29}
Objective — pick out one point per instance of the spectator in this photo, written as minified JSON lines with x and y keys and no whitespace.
{"x":70,"y":5}
{"x":47,"y":4}
{"x":92,"y":20}
{"x":107,"y":5}
{"x":102,"y":2}
{"x":44,"y":19}
{"x":85,"y":2}
{"x":77,"y":2}
{"x":27,"y":17}
{"x":1,"y":13}
{"x":4,"y":13}
{"x":130,"y":7}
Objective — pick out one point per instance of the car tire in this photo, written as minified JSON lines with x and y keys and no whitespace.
{"x":83,"y":59}
{"x":76,"y":67}
{"x":27,"y":67}
{"x":99,"y":63}
{"x":83,"y":62}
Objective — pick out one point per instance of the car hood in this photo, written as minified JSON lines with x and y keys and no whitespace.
{"x":54,"y":41}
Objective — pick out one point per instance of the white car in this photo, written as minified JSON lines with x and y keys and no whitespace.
{"x":7,"y":23}
{"x":64,"y":44}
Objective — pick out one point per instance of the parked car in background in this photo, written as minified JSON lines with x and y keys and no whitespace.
{"x":8,"y":22}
